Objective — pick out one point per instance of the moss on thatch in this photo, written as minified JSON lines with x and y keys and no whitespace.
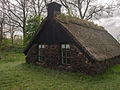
{"x":69,"y":19}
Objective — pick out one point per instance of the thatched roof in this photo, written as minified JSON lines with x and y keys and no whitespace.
{"x":95,"y":40}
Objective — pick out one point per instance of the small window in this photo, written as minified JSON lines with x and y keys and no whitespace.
{"x":65,"y":54}
{"x":41,"y":52}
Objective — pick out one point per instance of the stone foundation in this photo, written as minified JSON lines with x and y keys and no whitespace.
{"x":79,"y":63}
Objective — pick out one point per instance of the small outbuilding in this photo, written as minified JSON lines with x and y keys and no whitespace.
{"x":71,"y":44}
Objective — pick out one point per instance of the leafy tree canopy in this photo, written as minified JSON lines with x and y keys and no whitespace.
{"x":32,"y":24}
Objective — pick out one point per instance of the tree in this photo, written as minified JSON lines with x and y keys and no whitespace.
{"x":37,"y":7}
{"x":12,"y":29}
{"x":32,"y":24}
{"x":2,"y":19}
{"x":87,"y":9}
{"x":19,"y":12}
{"x":118,"y":4}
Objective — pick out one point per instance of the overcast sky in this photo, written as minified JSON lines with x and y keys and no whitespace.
{"x":111,"y":24}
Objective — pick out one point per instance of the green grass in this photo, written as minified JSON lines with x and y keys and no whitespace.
{"x":15,"y":74}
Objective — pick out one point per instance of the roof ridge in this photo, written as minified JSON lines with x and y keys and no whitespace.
{"x":74,"y":20}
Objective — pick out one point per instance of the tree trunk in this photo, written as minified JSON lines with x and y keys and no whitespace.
{"x":1,"y":33}
{"x":12,"y":40}
{"x":24,"y":22}
{"x":24,"y":26}
{"x":24,"y":35}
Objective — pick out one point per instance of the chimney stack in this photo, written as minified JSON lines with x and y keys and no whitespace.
{"x":53,"y":9}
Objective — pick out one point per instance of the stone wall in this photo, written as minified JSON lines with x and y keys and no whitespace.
{"x":79,"y":63}
{"x":52,"y":56}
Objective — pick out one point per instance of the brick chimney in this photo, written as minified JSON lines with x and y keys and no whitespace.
{"x":53,"y":9}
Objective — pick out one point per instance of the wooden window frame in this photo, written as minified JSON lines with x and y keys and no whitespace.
{"x":41,"y":52}
{"x":64,"y":50}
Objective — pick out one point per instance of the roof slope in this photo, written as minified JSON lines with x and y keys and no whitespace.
{"x":95,"y":40}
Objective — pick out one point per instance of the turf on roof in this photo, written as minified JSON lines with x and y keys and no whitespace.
{"x":70,"y":19}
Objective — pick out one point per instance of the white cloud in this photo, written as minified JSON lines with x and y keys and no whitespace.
{"x":112,"y":25}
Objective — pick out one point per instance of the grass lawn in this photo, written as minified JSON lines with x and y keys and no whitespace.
{"x":15,"y":74}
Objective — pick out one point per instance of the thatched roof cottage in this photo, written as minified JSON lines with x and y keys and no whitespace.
{"x":72,"y":44}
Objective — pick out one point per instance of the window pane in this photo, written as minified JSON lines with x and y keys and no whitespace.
{"x":38,"y":58}
{"x":67,"y":53}
{"x":67,"y":46}
{"x":63,"y":52}
{"x":67,"y":60}
{"x":63,"y":46}
{"x":41,"y":53}
{"x":64,"y":60}
{"x":42,"y":58}
{"x":40,"y":46}
{"x":43,"y":46}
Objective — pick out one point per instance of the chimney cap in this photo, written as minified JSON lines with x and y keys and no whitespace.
{"x":53,"y":9}
{"x":53,"y":4}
